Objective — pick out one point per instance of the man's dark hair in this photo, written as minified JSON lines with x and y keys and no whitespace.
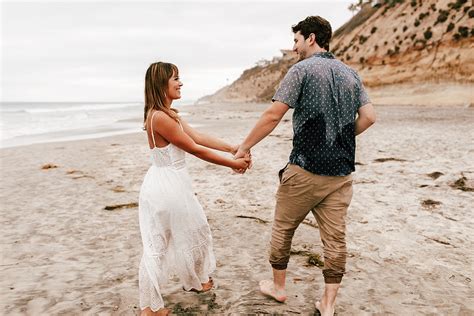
{"x":317,"y":25}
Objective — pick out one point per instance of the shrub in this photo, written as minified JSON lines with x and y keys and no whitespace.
{"x":413,"y":36}
{"x":372,"y":31}
{"x":433,"y":7}
{"x":362,"y":39}
{"x":376,"y":47}
{"x":413,"y":3}
{"x":463,"y":31}
{"x":450,"y":27}
{"x":394,"y":29}
{"x":471,"y":14}
{"x":442,"y":17}
{"x":466,"y":9}
{"x":417,"y":22}
{"x":405,"y":28}
{"x":385,"y":43}
{"x":423,"y":15}
{"x":428,"y":34}
{"x":457,"y":5}
{"x":361,"y":60}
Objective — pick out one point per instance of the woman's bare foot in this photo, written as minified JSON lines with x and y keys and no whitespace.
{"x":324,"y":310}
{"x":268,"y":288}
{"x":206,"y":287}
{"x":161,"y":312}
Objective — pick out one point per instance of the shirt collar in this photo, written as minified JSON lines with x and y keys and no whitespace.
{"x":328,"y":55}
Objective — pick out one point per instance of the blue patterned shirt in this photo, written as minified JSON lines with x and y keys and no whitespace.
{"x":325,"y":95}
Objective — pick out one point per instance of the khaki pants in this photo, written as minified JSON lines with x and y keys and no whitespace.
{"x":328,"y":198}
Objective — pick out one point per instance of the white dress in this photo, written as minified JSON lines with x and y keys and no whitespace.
{"x":175,"y":233}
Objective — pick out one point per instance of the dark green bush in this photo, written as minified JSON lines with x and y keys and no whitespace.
{"x":463,"y":31}
{"x":428,"y":34}
{"x":442,"y":17}
{"x":450,"y":27}
{"x":362,"y":39}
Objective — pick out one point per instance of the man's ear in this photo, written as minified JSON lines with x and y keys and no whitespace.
{"x":312,"y":38}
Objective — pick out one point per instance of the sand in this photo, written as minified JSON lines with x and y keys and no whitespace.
{"x":409,"y":228}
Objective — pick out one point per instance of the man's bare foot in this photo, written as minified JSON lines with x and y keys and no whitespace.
{"x":161,"y":312}
{"x":324,"y":310}
{"x":268,"y":288}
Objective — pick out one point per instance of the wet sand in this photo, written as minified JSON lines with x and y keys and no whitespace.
{"x":409,"y":228}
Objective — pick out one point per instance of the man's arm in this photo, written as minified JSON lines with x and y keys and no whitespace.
{"x":365,"y":118}
{"x":264,"y":126}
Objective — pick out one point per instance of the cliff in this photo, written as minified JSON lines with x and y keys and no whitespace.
{"x":417,"y":44}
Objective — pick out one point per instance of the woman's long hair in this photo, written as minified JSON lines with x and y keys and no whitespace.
{"x":156,"y":85}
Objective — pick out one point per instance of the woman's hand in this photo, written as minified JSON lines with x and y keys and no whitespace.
{"x":242,"y":163}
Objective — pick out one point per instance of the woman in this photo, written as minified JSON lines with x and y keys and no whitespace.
{"x":175,"y":233}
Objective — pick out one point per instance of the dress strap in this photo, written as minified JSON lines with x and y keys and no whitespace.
{"x":151,"y":126}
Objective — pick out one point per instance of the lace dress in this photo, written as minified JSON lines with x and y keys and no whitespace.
{"x":175,"y":233}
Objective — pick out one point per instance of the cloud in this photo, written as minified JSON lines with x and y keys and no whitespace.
{"x":79,"y":51}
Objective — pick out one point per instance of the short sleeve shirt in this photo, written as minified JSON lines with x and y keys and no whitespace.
{"x":325,"y":95}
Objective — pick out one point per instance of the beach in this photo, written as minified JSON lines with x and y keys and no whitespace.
{"x":68,"y":248}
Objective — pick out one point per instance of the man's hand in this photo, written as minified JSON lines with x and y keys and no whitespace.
{"x":243,"y":153}
{"x":234,"y":149}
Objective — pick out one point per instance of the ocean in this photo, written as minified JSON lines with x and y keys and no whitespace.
{"x":24,"y":123}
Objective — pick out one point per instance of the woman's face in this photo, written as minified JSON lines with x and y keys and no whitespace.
{"x":174,"y":87}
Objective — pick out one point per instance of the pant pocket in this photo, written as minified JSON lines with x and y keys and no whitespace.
{"x":280,"y":173}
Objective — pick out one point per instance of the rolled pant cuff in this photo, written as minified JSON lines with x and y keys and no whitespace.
{"x":280,"y":266}
{"x":332,"y":279}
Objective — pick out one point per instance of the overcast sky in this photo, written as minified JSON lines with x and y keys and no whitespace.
{"x":100,"y":50}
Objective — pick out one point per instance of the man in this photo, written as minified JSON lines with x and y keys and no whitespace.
{"x":330,"y":107}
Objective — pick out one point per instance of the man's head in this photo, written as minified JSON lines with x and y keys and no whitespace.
{"x":311,"y":35}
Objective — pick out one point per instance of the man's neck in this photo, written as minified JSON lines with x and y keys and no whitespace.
{"x":316,"y":50}
{"x":319,"y":50}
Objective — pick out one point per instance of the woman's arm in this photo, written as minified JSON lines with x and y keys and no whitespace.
{"x":172,"y":132}
{"x":207,"y":140}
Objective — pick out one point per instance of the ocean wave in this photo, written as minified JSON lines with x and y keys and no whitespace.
{"x":84,"y":107}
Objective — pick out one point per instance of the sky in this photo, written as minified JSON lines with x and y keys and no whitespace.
{"x":98,"y":51}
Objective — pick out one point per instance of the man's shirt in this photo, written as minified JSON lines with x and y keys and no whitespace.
{"x":325,"y":95}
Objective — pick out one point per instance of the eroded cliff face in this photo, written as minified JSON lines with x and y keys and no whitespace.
{"x":410,"y":42}
{"x":394,"y":42}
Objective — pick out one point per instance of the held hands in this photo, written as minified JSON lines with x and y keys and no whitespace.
{"x":242,"y":163}
{"x":241,"y":153}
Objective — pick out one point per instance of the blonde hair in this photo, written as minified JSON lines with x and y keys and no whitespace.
{"x":156,"y":85}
